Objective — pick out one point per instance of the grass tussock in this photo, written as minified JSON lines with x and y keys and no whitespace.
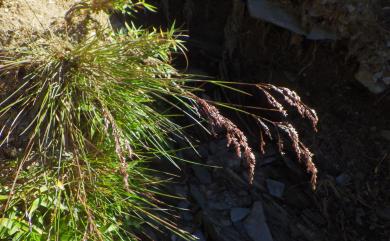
{"x":90,"y":115}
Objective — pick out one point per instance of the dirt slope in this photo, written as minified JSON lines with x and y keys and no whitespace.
{"x":20,"y":19}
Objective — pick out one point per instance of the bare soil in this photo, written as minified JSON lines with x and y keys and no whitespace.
{"x":21,"y":20}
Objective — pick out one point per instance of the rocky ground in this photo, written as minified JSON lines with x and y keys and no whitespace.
{"x":219,"y":205}
{"x":223,"y":206}
{"x":351,"y":148}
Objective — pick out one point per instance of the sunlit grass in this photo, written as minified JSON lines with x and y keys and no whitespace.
{"x":91,"y":113}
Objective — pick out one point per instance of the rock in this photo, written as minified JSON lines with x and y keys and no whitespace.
{"x":213,"y":148}
{"x":226,"y":200}
{"x":293,"y":166}
{"x":217,"y":218}
{"x":230,"y":234}
{"x":365,"y":77}
{"x":275,"y":188}
{"x":386,"y":75}
{"x":218,"y":205}
{"x":319,"y":33}
{"x":226,"y":159}
{"x":203,"y":151}
{"x":190,"y":154}
{"x":343,"y":179}
{"x":199,"y":235}
{"x":218,"y":146}
{"x":255,"y":224}
{"x":385,"y":134}
{"x":237,"y":214}
{"x":280,"y":218}
{"x":184,"y":204}
{"x":187,"y":216}
{"x":202,"y":174}
{"x":386,"y":80}
{"x":198,"y":196}
{"x":272,"y":12}
{"x":181,"y":190}
{"x":267,"y":160}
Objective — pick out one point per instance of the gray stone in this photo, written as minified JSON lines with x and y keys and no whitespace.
{"x":275,"y":188}
{"x":226,"y":200}
{"x":226,"y":159}
{"x":218,"y":146}
{"x":318,"y":33}
{"x":181,"y":190}
{"x":237,"y":214}
{"x":184,"y":204}
{"x":230,"y":234}
{"x":199,"y":235}
{"x":225,"y":222}
{"x":343,"y":179}
{"x":198,"y":196}
{"x":279,"y":215}
{"x":174,"y":237}
{"x":275,"y":13}
{"x":190,"y":154}
{"x":187,"y":216}
{"x":365,"y":77}
{"x":218,"y":205}
{"x":267,"y":160}
{"x":272,"y":12}
{"x":386,"y":80}
{"x":203,"y":151}
{"x":213,"y":148}
{"x":293,"y":166}
{"x":255,"y":224}
{"x":202,"y":174}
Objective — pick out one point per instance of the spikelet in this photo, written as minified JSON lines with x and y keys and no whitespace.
{"x":302,"y":152}
{"x":284,"y":131}
{"x":236,"y":138}
{"x":293,"y":99}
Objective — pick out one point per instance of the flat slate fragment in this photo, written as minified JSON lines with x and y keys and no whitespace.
{"x":255,"y":224}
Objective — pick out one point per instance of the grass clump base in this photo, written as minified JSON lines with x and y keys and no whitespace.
{"x":88,"y":116}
